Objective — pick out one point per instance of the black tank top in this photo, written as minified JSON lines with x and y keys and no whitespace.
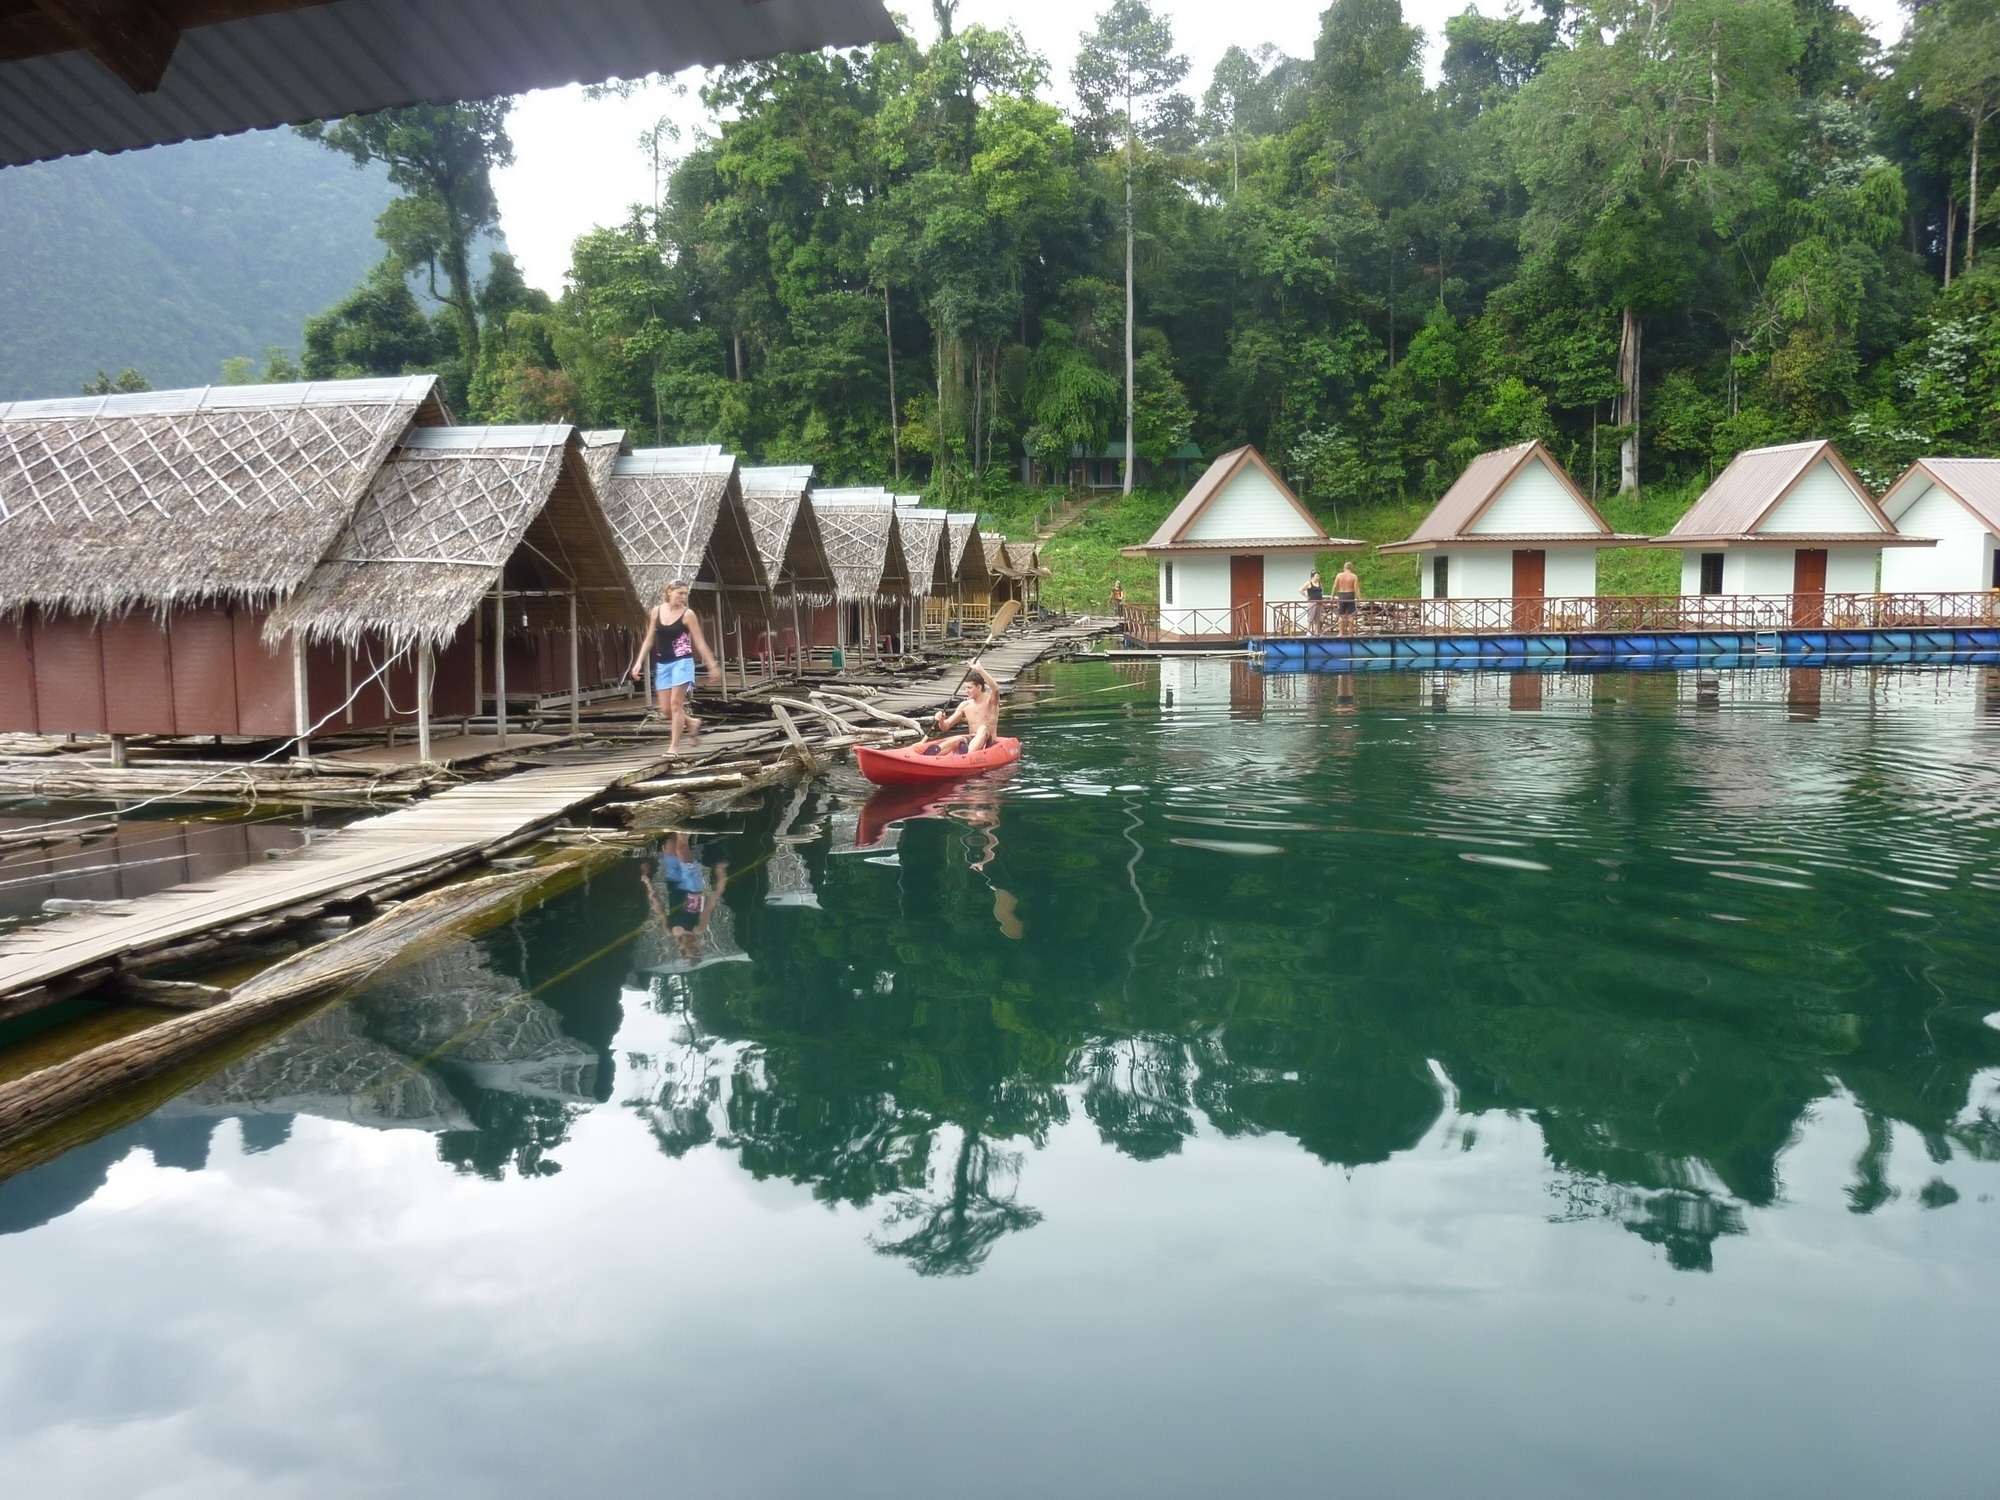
{"x":672,"y":642}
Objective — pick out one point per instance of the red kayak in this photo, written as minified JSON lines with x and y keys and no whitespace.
{"x":934,"y":760}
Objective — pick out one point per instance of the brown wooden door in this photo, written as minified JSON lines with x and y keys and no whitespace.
{"x":1246,"y":594}
{"x":1809,"y":586}
{"x":1531,"y":568}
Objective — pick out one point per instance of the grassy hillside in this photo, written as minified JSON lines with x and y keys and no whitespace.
{"x":1085,"y":556}
{"x":175,"y":259}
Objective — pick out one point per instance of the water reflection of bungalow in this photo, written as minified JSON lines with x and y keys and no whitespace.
{"x":1512,"y":526}
{"x":1793,"y":519}
{"x":386,"y":1058}
{"x":1957,"y":501}
{"x":1238,"y":541}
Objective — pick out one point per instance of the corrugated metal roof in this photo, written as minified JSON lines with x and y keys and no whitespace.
{"x":395,"y":390}
{"x":1751,"y":487}
{"x":1973,"y":482}
{"x":355,"y":56}
{"x":470,"y":439}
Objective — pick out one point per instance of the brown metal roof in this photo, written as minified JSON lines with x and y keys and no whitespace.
{"x":1517,"y":539}
{"x":1481,"y":483}
{"x":1213,"y":479}
{"x":1756,"y":480}
{"x":1972,"y":482}
{"x":77,"y":78}
{"x":1320,"y":543}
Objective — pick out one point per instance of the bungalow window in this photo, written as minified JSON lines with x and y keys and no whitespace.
{"x":1440,"y":576}
{"x":1166,"y":583}
{"x":1996,"y":567}
{"x":1711,"y":572}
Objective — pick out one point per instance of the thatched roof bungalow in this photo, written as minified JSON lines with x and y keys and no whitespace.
{"x":786,"y":525}
{"x":679,"y":513}
{"x":864,"y":544}
{"x":251,"y":560}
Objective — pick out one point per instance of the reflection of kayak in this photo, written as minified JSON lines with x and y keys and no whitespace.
{"x":973,"y":801}
{"x":912,"y":767}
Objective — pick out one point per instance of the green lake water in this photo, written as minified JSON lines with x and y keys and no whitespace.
{"x":1397,"y":1086}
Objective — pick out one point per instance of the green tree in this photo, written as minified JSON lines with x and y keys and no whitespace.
{"x":1126,"y":65}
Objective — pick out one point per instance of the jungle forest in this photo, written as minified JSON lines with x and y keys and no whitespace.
{"x":1650,"y":232}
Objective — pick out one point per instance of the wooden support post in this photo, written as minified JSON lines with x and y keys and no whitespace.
{"x":426,"y":670}
{"x":575,"y":682}
{"x":118,"y":752}
{"x":301,"y":699}
{"x":478,"y":662}
{"x":500,"y":667}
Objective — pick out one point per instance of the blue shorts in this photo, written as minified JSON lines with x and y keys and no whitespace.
{"x":672,"y":674}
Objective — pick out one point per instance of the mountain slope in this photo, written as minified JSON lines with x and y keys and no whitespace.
{"x":175,"y":259}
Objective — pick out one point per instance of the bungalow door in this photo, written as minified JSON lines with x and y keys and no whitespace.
{"x":1809,"y":587}
{"x":1246,"y":594}
{"x":1531,"y":568}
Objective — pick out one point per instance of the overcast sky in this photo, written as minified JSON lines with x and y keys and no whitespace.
{"x":578,"y":163}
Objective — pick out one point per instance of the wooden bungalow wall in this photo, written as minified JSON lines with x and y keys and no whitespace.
{"x":198,"y":672}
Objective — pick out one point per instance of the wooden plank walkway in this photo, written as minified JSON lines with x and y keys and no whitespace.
{"x":453,"y":825}
{"x":427,"y":833}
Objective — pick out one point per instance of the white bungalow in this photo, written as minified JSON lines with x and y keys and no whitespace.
{"x":1512,"y":526}
{"x":1957,"y":501}
{"x":1793,"y":519}
{"x":1239,"y":540}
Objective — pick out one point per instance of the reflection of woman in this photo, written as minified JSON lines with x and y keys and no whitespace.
{"x":680,"y":897}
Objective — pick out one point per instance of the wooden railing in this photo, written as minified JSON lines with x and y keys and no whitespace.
{"x":1639,"y":614}
{"x":1142,"y":623}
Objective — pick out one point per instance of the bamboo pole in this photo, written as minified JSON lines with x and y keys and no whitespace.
{"x":301,"y":701}
{"x":575,"y":685}
{"x":426,"y":672}
{"x":500,"y":666}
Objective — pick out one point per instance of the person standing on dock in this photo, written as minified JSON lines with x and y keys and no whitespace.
{"x":1314,"y":591}
{"x":678,"y":634}
{"x":1347,"y":596}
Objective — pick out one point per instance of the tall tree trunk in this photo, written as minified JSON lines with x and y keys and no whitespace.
{"x":736,"y":347}
{"x":1235,"y":154}
{"x":1950,"y":230}
{"x":458,"y":271}
{"x":895,"y":437}
{"x":1714,"y":87}
{"x":1128,"y":295}
{"x":978,"y":411}
{"x":1972,"y":195}
{"x":1628,"y":402}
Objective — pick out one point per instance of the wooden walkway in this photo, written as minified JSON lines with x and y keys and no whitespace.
{"x":463,"y":822}
{"x":41,"y":964}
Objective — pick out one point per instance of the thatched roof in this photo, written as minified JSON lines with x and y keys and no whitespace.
{"x":1025,"y":558}
{"x":968,"y":552}
{"x":924,"y":548}
{"x":110,"y":503}
{"x":602,"y":448}
{"x":996,"y":555}
{"x":864,"y":545}
{"x":786,"y":525}
{"x":454,"y":512}
{"x":678,"y":513}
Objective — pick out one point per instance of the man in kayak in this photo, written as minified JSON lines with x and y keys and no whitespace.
{"x":978,"y":711}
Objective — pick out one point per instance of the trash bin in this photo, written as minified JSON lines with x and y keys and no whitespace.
{"x":839,"y":659}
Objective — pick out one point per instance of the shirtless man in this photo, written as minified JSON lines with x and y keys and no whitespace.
{"x":1347,"y":596}
{"x":978,"y":711}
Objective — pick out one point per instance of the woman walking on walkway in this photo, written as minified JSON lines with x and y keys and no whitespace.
{"x":678,"y":633}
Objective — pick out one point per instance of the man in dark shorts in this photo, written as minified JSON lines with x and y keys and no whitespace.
{"x":1347,"y":597}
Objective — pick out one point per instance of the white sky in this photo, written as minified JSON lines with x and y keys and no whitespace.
{"x":578,"y":163}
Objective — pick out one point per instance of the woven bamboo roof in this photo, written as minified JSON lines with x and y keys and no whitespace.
{"x":968,"y":552}
{"x":924,"y":536}
{"x":786,"y":525}
{"x":997,"y":559}
{"x":160,"y":498}
{"x":602,"y":448}
{"x":1026,"y":559}
{"x":678,"y":514}
{"x":455,"y":512}
{"x":865,"y":547}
